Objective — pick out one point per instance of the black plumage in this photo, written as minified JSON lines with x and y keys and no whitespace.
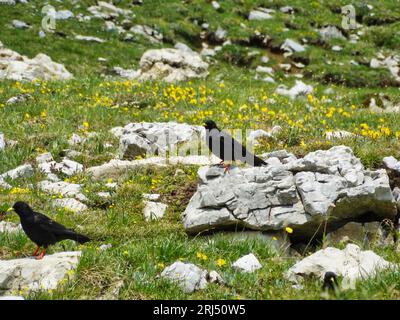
{"x":42,"y":230}
{"x":330,"y":281}
{"x":228,"y":149}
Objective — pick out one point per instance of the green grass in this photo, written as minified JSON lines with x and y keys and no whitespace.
{"x":229,"y":95}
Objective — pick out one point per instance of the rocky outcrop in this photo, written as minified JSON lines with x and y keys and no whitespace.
{"x":14,"y":66}
{"x":65,"y":189}
{"x":106,"y":10}
{"x":66,"y":166}
{"x":34,"y":275}
{"x":171,"y":65}
{"x":350,"y":263}
{"x":325,"y":187}
{"x":139,"y":139}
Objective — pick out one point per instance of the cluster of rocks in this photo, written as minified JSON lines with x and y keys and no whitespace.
{"x":144,"y":138}
{"x":323,"y":190}
{"x":392,"y":63}
{"x":383,"y":104}
{"x":106,"y":10}
{"x":169,"y":64}
{"x":190,"y":277}
{"x":14,"y":66}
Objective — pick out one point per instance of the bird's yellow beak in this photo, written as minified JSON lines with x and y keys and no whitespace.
{"x":10,"y":209}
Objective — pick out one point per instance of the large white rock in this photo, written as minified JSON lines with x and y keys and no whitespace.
{"x":44,"y":158}
{"x":70,"y":205}
{"x":351,"y":263}
{"x":14,"y":66}
{"x":247,"y":263}
{"x":331,"y":32}
{"x":23,"y":171}
{"x":62,"y":188}
{"x":299,"y":193}
{"x":154,"y":210}
{"x":171,"y":65}
{"x":34,"y":275}
{"x":9,"y":227}
{"x":292,"y":46}
{"x":259,"y":15}
{"x":188,"y":276}
{"x":299,"y":89}
{"x":147,"y":138}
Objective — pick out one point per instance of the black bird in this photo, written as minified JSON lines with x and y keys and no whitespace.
{"x":228,"y":149}
{"x":330,"y":281}
{"x":42,"y":230}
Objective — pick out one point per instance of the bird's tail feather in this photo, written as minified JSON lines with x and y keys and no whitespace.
{"x":77,"y":237}
{"x":259,"y":162}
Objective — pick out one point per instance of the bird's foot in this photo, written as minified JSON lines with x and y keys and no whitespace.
{"x":226,"y":168}
{"x":36,"y":251}
{"x":40,"y":257}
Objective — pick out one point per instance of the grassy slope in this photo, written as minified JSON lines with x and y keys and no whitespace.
{"x":140,"y":249}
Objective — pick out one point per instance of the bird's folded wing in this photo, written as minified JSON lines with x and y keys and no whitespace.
{"x":48,"y":224}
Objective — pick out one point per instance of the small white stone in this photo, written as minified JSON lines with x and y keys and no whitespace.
{"x":247,"y":263}
{"x":44,"y":157}
{"x":188,"y":276}
{"x":154,"y":210}
{"x":70,"y":204}
{"x":105,"y":246}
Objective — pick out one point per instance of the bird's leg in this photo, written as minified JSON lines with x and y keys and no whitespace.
{"x":36,"y":251}
{"x":40,"y":257}
{"x":226,"y":166}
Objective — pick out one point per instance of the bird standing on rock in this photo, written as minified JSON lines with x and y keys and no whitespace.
{"x":228,"y":149}
{"x":42,"y":230}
